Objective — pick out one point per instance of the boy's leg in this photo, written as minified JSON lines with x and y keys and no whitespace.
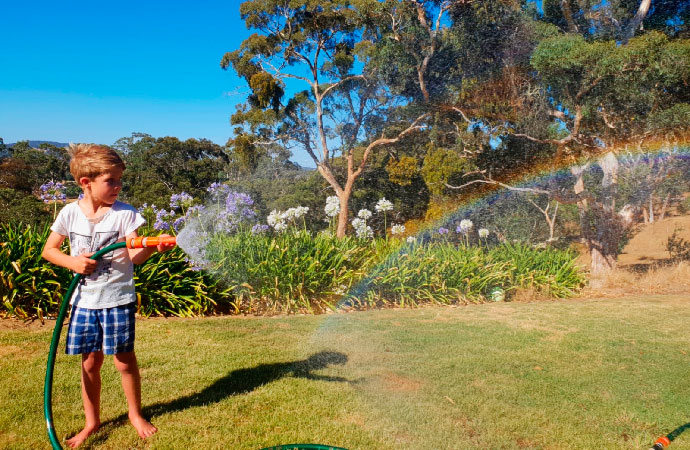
{"x":91,"y":364}
{"x":126,"y":364}
{"x":118,"y":340}
{"x":84,"y":337}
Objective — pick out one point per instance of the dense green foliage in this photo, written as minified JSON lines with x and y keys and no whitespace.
{"x":29,"y":287}
{"x":289,"y":272}
{"x":17,"y":206}
{"x":444,"y":273}
{"x":294,"y":272}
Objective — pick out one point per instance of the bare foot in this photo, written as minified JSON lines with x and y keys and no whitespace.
{"x":79,"y":438}
{"x":144,"y":427}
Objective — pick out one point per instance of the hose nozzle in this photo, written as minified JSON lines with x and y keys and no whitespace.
{"x":150,"y":241}
{"x":661,"y":444}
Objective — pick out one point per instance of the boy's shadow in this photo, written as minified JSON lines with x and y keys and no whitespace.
{"x":238,"y":382}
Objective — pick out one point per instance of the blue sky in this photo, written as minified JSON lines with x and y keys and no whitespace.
{"x":77,"y":71}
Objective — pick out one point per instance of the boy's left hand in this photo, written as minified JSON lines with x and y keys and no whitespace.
{"x":163,"y":247}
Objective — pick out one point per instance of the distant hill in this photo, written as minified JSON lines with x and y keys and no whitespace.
{"x":36,"y":144}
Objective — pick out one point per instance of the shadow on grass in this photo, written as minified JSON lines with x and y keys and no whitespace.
{"x":238,"y":381}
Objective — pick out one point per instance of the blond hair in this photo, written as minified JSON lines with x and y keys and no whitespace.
{"x":92,"y":160}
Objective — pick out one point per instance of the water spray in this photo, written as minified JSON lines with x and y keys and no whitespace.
{"x":138,"y":242}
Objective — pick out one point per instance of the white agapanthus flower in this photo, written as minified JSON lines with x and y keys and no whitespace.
{"x":293,"y":214}
{"x":384,"y":205}
{"x":358,"y":223}
{"x":301,"y":210}
{"x":332,"y":206}
{"x":466,"y":225}
{"x":289,"y":214}
{"x":397,"y":229}
{"x":274,"y":217}
{"x":483,"y":233}
{"x":364,"y":232}
{"x":364,"y":214}
{"x":411,"y":239}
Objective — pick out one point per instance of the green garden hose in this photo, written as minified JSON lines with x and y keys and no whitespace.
{"x":48,"y":385}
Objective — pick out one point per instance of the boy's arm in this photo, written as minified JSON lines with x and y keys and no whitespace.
{"x":139,"y":255}
{"x":80,"y":264}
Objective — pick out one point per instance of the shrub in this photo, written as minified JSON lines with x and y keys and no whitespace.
{"x":167,"y":285}
{"x":32,"y":287}
{"x":288,"y":272}
{"x":434,"y":273}
{"x":549,"y":271}
{"x":29,"y":286}
{"x":678,"y":247}
{"x":17,"y":206}
{"x":443,"y":273}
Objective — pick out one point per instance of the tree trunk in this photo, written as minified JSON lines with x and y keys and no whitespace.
{"x":602,"y":226}
{"x":662,"y":214}
{"x":651,"y":208}
{"x":344,"y":197}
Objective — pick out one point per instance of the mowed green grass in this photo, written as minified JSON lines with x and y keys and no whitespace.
{"x":570,"y":374}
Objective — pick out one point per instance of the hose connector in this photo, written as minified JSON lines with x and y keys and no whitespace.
{"x":661,"y":444}
{"x":150,"y":241}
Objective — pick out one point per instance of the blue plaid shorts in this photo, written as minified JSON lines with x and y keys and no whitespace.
{"x":110,"y":330}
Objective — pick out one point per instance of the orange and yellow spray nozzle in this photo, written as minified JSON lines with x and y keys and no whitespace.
{"x":150,"y":241}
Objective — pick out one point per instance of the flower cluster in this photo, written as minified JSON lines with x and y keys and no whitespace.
{"x":218,"y":191}
{"x":237,"y":210}
{"x":384,"y":205}
{"x":362,"y":230}
{"x":163,"y":219}
{"x":359,"y":223}
{"x":279,"y":220}
{"x":465,"y":226}
{"x":332,"y":208}
{"x":397,"y":229}
{"x":53,"y":192}
{"x":364,"y":214}
{"x":181,"y":200}
{"x":260,"y":228}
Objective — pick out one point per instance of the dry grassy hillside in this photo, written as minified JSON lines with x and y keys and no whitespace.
{"x":644,"y":265}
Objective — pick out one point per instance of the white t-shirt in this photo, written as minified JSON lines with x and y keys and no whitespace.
{"x":112,"y":283}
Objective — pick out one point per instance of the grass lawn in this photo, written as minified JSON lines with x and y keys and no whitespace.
{"x":572,"y":374}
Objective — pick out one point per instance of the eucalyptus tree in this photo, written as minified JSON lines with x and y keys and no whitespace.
{"x":599,"y":96}
{"x":618,"y":19}
{"x":318,"y":54}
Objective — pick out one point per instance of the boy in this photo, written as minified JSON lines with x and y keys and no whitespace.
{"x":104,"y":303}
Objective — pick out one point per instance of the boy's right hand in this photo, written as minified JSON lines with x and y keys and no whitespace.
{"x":84,"y":265}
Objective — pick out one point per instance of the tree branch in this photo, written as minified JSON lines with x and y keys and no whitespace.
{"x":636,"y":21}
{"x":382,"y":141}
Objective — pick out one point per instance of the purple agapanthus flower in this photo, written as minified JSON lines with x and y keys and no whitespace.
{"x":442,"y":231}
{"x":177,"y":224}
{"x":181,"y":200}
{"x":163,"y":219}
{"x":53,"y":192}
{"x":239,"y":204}
{"x":218,"y":190}
{"x":260,"y":228}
